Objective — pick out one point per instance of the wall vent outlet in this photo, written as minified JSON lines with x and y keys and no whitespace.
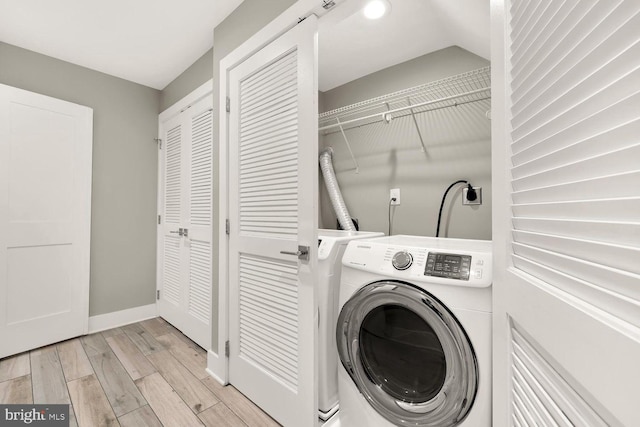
{"x":394,"y":193}
{"x":477,"y":201}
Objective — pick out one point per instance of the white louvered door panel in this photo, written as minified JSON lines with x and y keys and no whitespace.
{"x":186,"y":258}
{"x":272,"y":208}
{"x":200,"y":221}
{"x":173,"y":202}
{"x":172,"y":270}
{"x":269,"y":316}
{"x":171,"y":243}
{"x":567,"y":349}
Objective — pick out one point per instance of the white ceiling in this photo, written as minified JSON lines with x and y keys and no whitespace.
{"x":145,"y":41}
{"x":152,"y":41}
{"x":355,"y":46}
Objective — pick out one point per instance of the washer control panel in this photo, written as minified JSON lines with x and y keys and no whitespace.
{"x":452,"y":266}
{"x":402,"y":260}
{"x":424,"y":259}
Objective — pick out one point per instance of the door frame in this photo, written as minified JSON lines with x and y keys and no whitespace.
{"x":201,"y":92}
{"x":193,"y":97}
{"x":218,"y":363}
{"x":501,"y":185}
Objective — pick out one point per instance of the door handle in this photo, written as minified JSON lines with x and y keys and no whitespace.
{"x":181,"y":232}
{"x":302,"y":253}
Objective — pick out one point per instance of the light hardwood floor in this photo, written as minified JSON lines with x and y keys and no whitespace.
{"x":143,"y":374}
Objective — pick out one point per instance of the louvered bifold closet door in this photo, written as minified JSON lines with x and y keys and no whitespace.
{"x":575,"y":152}
{"x":185,"y":251}
{"x":272,"y":209}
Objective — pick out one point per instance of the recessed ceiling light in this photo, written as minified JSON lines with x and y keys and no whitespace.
{"x":375,"y":9}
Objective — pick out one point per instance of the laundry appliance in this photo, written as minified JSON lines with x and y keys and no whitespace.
{"x":414,"y":333}
{"x":331,"y":247}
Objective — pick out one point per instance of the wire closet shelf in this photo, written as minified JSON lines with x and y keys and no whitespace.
{"x":472,"y":86}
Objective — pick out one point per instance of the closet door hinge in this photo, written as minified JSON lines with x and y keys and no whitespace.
{"x":227,"y":351}
{"x":227,"y":226}
{"x":159,"y":142}
{"x":158,"y":295}
{"x":328,"y":4}
{"x":159,"y":219}
{"x":228,"y":104}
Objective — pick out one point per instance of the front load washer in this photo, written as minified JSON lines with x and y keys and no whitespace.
{"x":414,"y":333}
{"x":331,"y":247}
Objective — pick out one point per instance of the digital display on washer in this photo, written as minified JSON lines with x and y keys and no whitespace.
{"x":452,"y":266}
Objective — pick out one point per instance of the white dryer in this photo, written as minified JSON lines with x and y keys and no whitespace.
{"x":331,"y":247}
{"x":414,"y":333}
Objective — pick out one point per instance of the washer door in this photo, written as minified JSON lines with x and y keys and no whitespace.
{"x":408,"y":355}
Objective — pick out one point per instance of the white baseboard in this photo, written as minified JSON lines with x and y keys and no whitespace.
{"x":216,"y":367}
{"x":106,"y":321}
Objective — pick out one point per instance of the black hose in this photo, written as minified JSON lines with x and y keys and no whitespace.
{"x":444,"y":197}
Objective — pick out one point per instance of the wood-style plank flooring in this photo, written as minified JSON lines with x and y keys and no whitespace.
{"x":143,"y":374}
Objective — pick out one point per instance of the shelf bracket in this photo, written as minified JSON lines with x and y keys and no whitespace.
{"x":346,"y":140}
{"x":385,"y":116}
{"x":415,"y":122}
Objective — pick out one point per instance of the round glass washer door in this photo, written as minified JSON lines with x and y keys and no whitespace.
{"x":408,"y":355}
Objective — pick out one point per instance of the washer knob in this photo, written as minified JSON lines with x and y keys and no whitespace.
{"x":402,"y":260}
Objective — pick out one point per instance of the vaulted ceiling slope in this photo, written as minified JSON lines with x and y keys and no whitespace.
{"x":149,"y":42}
{"x":356,"y":46}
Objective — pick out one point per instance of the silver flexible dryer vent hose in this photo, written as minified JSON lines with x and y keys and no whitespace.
{"x":326,"y":165}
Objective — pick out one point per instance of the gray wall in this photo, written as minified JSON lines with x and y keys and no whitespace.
{"x":193,"y":77}
{"x":458,"y":144}
{"x":125,"y":121}
{"x":250,"y":17}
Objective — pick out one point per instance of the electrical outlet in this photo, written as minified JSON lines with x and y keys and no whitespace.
{"x":394,"y":193}
{"x":477,"y":201}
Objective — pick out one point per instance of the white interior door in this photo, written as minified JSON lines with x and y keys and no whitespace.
{"x":185,"y":228}
{"x":566,"y":126}
{"x":272,"y":207}
{"x":45,"y":219}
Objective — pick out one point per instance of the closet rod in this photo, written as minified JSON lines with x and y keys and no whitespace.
{"x":386,"y":116}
